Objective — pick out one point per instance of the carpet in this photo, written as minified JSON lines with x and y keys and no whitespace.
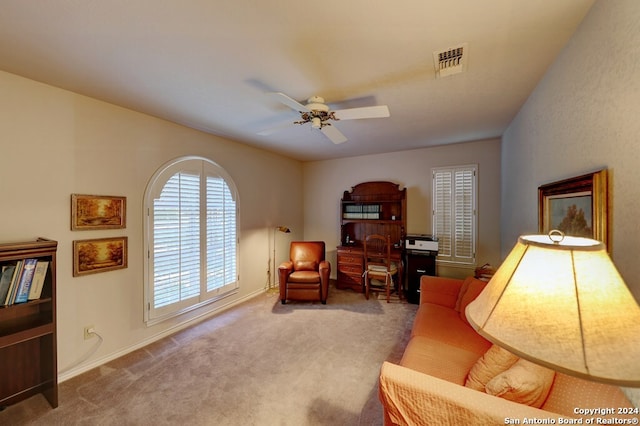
{"x":259,"y":363}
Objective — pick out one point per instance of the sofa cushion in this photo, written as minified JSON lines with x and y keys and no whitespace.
{"x":444,"y":324}
{"x":473,"y":290}
{"x":309,"y":277}
{"x":440,"y":290}
{"x":495,"y":361}
{"x":525,"y":383}
{"x":438,"y":359}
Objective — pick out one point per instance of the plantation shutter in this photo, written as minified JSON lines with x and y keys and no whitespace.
{"x":463,"y":216}
{"x":221,"y":235}
{"x":442,"y":212}
{"x":454,"y":208}
{"x":176,"y":243}
{"x":191,"y":238}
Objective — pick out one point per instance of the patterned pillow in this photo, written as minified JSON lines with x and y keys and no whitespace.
{"x":495,"y":361}
{"x":525,"y":383}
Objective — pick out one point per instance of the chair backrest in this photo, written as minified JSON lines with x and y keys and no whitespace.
{"x":377,"y":250}
{"x":306,"y":255}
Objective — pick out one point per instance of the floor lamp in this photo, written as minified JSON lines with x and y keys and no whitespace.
{"x":272,"y":276}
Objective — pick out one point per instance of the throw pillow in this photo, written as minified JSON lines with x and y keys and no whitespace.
{"x":525,"y":383}
{"x":463,"y":290}
{"x":474,"y":289}
{"x":495,"y":361}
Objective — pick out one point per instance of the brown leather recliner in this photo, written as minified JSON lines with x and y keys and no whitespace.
{"x":306,"y":275}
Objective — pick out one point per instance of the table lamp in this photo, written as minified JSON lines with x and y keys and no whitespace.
{"x":560,"y":302}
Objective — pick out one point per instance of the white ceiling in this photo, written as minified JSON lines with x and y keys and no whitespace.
{"x":208,"y":64}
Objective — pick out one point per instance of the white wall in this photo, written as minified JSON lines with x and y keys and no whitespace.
{"x":55,"y":143}
{"x":583,"y":116}
{"x":326,"y":181}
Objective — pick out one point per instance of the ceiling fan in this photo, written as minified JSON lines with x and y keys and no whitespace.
{"x":320,"y":115}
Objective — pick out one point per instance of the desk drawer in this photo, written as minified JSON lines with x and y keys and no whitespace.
{"x":350,"y":259}
{"x":350,"y":269}
{"x":350,"y":280}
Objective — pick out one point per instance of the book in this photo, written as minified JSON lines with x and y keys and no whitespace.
{"x":5,"y":281}
{"x":22,"y":292}
{"x":14,"y":284}
{"x":38,"y":279}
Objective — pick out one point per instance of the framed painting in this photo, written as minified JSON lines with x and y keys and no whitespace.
{"x":90,"y":212}
{"x":577,"y":206}
{"x":99,"y":255}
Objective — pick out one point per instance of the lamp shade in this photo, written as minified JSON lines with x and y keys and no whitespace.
{"x":563,"y":305}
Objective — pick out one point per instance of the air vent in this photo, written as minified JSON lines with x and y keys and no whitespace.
{"x":451,"y":61}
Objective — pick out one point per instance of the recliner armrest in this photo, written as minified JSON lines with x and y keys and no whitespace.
{"x":286,"y":266}
{"x":324,"y":265}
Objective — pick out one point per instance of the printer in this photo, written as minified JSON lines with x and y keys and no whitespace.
{"x":421,"y":242}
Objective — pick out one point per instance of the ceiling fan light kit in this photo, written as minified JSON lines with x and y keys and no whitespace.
{"x":316,"y":123}
{"x":318,"y":114}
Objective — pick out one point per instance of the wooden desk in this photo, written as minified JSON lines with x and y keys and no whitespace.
{"x":351,"y":267}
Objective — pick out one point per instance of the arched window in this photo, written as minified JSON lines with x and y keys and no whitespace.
{"x":191,"y":241}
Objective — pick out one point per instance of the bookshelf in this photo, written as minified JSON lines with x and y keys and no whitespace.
{"x":28,"y":356}
{"x":368,"y":208}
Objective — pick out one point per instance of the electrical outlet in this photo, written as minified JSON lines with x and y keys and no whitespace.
{"x":89,"y":331}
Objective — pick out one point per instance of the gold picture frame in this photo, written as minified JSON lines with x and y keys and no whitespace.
{"x":99,"y":255}
{"x":578,"y":206}
{"x":89,"y":212}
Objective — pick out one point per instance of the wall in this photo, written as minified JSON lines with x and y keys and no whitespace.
{"x":326,"y":181}
{"x":583,"y":116}
{"x":55,"y":143}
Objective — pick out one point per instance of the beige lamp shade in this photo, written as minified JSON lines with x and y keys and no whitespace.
{"x":563,"y":305}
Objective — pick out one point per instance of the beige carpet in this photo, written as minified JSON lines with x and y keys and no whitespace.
{"x":260,"y":363}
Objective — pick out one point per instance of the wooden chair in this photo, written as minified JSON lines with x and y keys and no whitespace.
{"x":378,"y":265}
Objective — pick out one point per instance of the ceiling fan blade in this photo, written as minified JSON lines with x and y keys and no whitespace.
{"x":288,"y":101}
{"x":379,"y":111}
{"x":334,"y":134}
{"x":275,"y":129}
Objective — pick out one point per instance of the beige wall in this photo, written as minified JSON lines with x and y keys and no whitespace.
{"x":326,"y":181}
{"x":55,"y":143}
{"x":583,"y":116}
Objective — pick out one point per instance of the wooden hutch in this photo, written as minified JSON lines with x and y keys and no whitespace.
{"x":369,"y":208}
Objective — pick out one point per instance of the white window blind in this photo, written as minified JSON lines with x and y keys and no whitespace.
{"x":454,"y":213}
{"x":191,"y":240}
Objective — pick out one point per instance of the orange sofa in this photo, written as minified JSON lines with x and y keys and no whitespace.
{"x":428,"y":387}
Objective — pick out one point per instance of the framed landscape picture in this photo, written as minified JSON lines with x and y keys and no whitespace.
{"x":576,"y":206}
{"x":98,"y":212}
{"x":99,"y":255}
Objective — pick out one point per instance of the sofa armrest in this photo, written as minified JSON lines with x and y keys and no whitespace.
{"x":439,"y":290}
{"x":412,"y":398}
